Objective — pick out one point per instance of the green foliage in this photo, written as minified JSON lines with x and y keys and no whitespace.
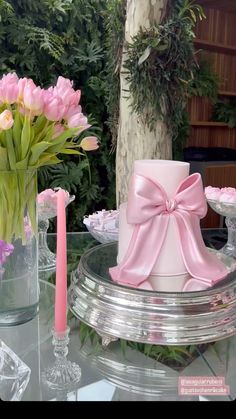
{"x":44,"y":39}
{"x":161,"y":65}
{"x":225,"y":111}
{"x":205,"y":82}
{"x":115,"y":25}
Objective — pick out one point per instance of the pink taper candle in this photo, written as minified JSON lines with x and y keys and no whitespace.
{"x":61,"y":266}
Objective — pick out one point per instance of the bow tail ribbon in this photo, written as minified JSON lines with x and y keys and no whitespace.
{"x":200,"y":263}
{"x":142,"y":253}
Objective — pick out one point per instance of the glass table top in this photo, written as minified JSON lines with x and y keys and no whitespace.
{"x":111,"y":374}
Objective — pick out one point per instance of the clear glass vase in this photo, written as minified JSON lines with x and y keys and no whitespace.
{"x":19,"y":291}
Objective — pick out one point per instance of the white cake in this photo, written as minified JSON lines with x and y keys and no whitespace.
{"x":169,"y":272}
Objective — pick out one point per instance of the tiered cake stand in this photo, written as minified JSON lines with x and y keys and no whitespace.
{"x":117,"y":311}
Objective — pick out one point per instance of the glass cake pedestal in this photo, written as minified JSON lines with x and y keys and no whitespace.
{"x":147,"y":316}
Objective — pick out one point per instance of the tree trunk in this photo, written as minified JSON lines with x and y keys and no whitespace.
{"x":135,"y":141}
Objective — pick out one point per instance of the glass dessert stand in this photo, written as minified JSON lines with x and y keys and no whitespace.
{"x":227,"y":210}
{"x":116,"y":311}
{"x":46,"y":211}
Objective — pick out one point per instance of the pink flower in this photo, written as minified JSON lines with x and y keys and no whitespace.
{"x":21,"y":86}
{"x":33,"y":97}
{"x":53,"y":106}
{"x":9,"y":88}
{"x":6,"y":250}
{"x":72,"y":110}
{"x":77,"y":120}
{"x":10,"y":78}
{"x":89,"y":143}
{"x":63,"y":83}
{"x":6,"y":120}
{"x":58,"y":129}
{"x":66,"y":92}
{"x":25,"y":111}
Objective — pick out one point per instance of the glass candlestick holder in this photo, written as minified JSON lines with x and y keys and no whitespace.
{"x":227,"y":210}
{"x":63,"y":374}
{"x":47,"y":209}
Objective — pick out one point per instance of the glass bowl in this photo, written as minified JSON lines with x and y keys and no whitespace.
{"x":103,"y":236}
{"x":103,"y":225}
{"x":14,"y":374}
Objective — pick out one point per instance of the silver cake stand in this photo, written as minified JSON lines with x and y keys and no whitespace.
{"x":116,"y":311}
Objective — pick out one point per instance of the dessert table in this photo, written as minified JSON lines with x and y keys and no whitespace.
{"x":109,"y":374}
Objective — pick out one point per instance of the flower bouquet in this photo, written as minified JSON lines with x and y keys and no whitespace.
{"x":36,"y":125}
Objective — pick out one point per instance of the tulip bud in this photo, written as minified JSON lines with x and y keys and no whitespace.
{"x":6,"y":120}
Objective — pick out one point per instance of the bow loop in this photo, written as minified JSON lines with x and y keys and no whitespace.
{"x":190,"y":196}
{"x":146,"y":199}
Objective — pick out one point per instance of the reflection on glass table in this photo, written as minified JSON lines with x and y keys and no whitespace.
{"x":108,"y":374}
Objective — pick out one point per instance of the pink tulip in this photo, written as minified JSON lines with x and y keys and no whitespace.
{"x":89,"y":143}
{"x":64,"y":83}
{"x":9,"y":88}
{"x":58,"y":129}
{"x":26,"y":112}
{"x":72,"y":110}
{"x":77,"y":120}
{"x":6,"y":120}
{"x":53,"y":107}
{"x":82,"y":128}
{"x":65,"y":91}
{"x":21,"y":86}
{"x":33,"y":98}
{"x":10,"y":78}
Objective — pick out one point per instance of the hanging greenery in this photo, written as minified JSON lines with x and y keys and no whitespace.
{"x":225,"y":111}
{"x":161,"y":64}
{"x":115,"y":26}
{"x":205,"y":83}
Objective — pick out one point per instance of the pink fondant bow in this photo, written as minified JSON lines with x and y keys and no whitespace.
{"x":149,"y":209}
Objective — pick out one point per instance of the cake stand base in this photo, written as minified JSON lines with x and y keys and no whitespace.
{"x":140,"y":315}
